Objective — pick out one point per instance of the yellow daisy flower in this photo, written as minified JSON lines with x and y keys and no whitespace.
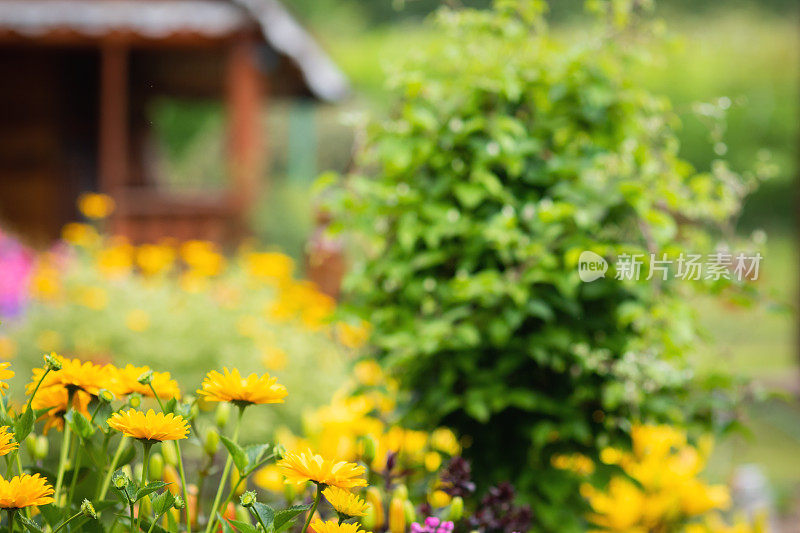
{"x":7,"y":442}
{"x":345,"y":502}
{"x":232,"y":387}
{"x":5,"y":373}
{"x":299,"y":467}
{"x":24,"y":491}
{"x":333,"y":526}
{"x":151,"y":426}
{"x":75,"y":375}
{"x":55,"y":400}
{"x":127,"y":381}
{"x":95,"y":205}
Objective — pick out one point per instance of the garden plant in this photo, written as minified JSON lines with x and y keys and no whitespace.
{"x":507,"y":155}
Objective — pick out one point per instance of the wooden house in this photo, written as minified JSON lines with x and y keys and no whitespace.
{"x":78,"y":75}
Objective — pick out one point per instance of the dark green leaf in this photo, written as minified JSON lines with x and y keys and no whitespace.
{"x":237,"y":453}
{"x":284,"y":516}
{"x":264,"y":513}
{"x":149,"y":489}
{"x":23,"y":425}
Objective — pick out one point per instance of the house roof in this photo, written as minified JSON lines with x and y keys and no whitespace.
{"x":158,"y":19}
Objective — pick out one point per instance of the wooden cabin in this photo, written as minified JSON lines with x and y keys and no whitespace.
{"x":77,"y":79}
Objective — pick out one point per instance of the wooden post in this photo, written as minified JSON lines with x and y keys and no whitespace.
{"x":244,"y":101}
{"x":113,"y":143}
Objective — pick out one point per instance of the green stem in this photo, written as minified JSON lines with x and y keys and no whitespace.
{"x":11,"y":514}
{"x":184,"y":490}
{"x":75,"y":471}
{"x":146,"y":445}
{"x":62,"y":462}
{"x":30,"y":400}
{"x":212,"y":518}
{"x":112,"y":467}
{"x":67,"y":521}
{"x":313,"y":509}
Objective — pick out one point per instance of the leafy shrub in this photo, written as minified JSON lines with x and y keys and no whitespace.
{"x":508,"y":155}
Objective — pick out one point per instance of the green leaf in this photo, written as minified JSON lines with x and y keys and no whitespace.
{"x":79,"y":424}
{"x":237,"y":453}
{"x":243,"y":527}
{"x":163,"y":502}
{"x":23,"y":425}
{"x":29,"y":524}
{"x":284,"y":516}
{"x":149,"y":489}
{"x":264,"y":513}
{"x":226,"y":527}
{"x":255,"y":453}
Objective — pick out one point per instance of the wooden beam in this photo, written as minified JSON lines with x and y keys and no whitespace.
{"x":113,"y":143}
{"x":244,"y":104}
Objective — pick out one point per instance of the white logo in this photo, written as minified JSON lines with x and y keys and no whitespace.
{"x":591,"y":266}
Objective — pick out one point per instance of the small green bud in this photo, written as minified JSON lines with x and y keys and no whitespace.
{"x":368,"y":520}
{"x":169,"y":454}
{"x":105,"y":395}
{"x":52,"y":362}
{"x":411,"y":513}
{"x":211,"y":442}
{"x":42,"y":447}
{"x":156,"y":466}
{"x":178,"y":503}
{"x":401,"y":491}
{"x":146,"y":378}
{"x":279,"y":450}
{"x":135,"y":400}
{"x":120,"y":479}
{"x":242,"y":515}
{"x":30,"y":443}
{"x":368,"y":447}
{"x":456,"y":509}
{"x":137,"y":471}
{"x":223,"y":414}
{"x":88,"y":509}
{"x":248,"y":498}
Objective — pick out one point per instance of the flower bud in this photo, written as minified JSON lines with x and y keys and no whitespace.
{"x":368,"y":520}
{"x":137,"y":471}
{"x":400,"y":491}
{"x":248,"y":498}
{"x":30,"y":443}
{"x":171,"y":477}
{"x":397,"y":516}
{"x":119,"y":479}
{"x":146,"y":378}
{"x":178,"y":503}
{"x":242,"y":514}
{"x":368,"y":447}
{"x":135,"y":400}
{"x":42,"y":447}
{"x":156,"y":466}
{"x":411,"y":513}
{"x":279,"y":450}
{"x":456,"y":509}
{"x":223,"y":414}
{"x":235,"y":475}
{"x":105,"y":395}
{"x":169,"y":453}
{"x":374,"y":499}
{"x":52,"y":362}
{"x":145,"y":507}
{"x":88,"y":509}
{"x":211,"y":442}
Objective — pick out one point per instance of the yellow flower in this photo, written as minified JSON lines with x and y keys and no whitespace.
{"x":55,"y":400}
{"x":270,"y":478}
{"x":438,"y":499}
{"x":94,"y":205}
{"x":7,"y":442}
{"x":368,"y":372}
{"x":79,"y":234}
{"x":353,"y":336}
{"x":232,"y":387}
{"x":76,"y":375}
{"x":306,"y":466}
{"x":153,"y":259}
{"x":7,"y":348}
{"x":333,"y":526}
{"x":202,"y":257}
{"x":151,"y":426}
{"x":116,"y":260}
{"x":5,"y":373}
{"x":126,"y":381}
{"x":137,"y":320}
{"x":444,"y":440}
{"x":93,"y":297}
{"x":432,"y":461}
{"x":345,"y":502}
{"x":25,"y":491}
{"x":270,"y":266}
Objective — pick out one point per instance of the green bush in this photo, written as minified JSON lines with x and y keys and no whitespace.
{"x":508,"y":155}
